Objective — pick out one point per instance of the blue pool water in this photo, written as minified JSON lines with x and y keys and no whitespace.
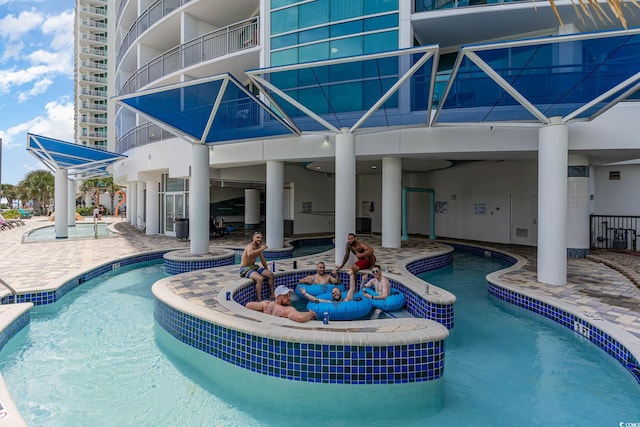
{"x":96,"y":358}
{"x":79,"y":231}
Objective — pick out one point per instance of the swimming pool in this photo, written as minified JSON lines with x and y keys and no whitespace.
{"x":79,"y":231}
{"x":511,"y":368}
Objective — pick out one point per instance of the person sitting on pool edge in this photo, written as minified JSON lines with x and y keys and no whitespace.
{"x":251,"y":270}
{"x":336,"y":293}
{"x":281,"y":307}
{"x":321,"y":277}
{"x":379,"y":283}
{"x":362,"y":251}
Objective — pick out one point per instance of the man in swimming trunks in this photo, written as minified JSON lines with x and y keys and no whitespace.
{"x":321,"y":277}
{"x":281,"y":307}
{"x":380,"y":284}
{"x":336,"y":293}
{"x":362,"y":251}
{"x":251,"y":270}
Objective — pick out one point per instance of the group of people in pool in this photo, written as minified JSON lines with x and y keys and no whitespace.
{"x":280,"y":301}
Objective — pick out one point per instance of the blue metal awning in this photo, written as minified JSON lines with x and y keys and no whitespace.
{"x":577,"y":76}
{"x":355,"y":92}
{"x":77,"y":159}
{"x":209,"y":110}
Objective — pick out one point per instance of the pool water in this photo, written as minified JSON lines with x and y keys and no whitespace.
{"x":97,"y":358}
{"x":79,"y":231}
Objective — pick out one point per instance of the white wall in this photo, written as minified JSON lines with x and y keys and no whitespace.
{"x":317,"y":188}
{"x":612,"y":197}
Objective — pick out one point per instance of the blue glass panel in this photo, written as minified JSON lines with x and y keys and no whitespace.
{"x":187,"y":108}
{"x":279,"y":3}
{"x":314,"y":98}
{"x":314,"y":52}
{"x":381,"y":22}
{"x":346,"y":47}
{"x":377,"y":6}
{"x":284,"y":41}
{"x":346,"y":9}
{"x":240,"y":117}
{"x":284,"y":57}
{"x":313,"y":13}
{"x":346,"y":97}
{"x":381,"y":42}
{"x":315,"y":34}
{"x":284,"y":20}
{"x":346,"y":28}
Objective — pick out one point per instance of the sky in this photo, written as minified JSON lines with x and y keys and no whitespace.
{"x":36,"y":79}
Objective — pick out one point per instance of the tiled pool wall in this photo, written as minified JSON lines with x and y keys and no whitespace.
{"x":177,"y":266}
{"x":566,"y":319}
{"x":14,"y":327}
{"x":309,"y":362}
{"x":570,"y":321}
{"x":417,"y":305}
{"x":53,"y":295}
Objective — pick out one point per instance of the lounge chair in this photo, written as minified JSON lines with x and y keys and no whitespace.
{"x":24,"y":214}
{"x":12,"y":222}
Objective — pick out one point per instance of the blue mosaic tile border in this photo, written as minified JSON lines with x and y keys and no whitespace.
{"x":570,"y":321}
{"x":309,"y":362}
{"x":51,"y":296}
{"x":14,"y":327}
{"x":172,"y":266}
{"x":419,"y":307}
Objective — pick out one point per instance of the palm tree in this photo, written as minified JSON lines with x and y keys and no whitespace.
{"x":586,"y":7}
{"x":105,"y":184}
{"x":9,"y":192}
{"x":39,"y":186}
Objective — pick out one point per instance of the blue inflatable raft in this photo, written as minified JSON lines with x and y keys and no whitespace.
{"x":395,"y":301}
{"x":357,"y":308}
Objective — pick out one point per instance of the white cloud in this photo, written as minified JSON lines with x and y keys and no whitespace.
{"x":58,"y":124}
{"x":61,"y":27}
{"x":38,"y":88}
{"x":14,"y":27}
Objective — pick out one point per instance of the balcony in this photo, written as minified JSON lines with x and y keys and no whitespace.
{"x":139,"y":136}
{"x":153,"y":14}
{"x":236,"y":37}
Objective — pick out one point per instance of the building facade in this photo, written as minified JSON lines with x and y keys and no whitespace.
{"x":369,"y":130}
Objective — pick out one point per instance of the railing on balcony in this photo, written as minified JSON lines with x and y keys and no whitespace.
{"x":91,"y":64}
{"x":96,"y":52}
{"x":139,"y":136}
{"x":617,"y":232}
{"x":94,"y":10}
{"x":94,"y":24}
{"x":236,"y":37}
{"x":93,"y":106}
{"x":101,"y":93}
{"x":94,"y":38}
{"x":153,"y":14}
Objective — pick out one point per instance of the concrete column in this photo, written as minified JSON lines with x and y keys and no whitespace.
{"x":140,"y":204}
{"x":391,"y":202}
{"x":199,"y":200}
{"x":274,"y":201}
{"x":345,"y":190}
{"x":578,"y":206}
{"x":552,"y":203}
{"x":251,"y":208}
{"x":71,"y":200}
{"x":62,"y":207}
{"x":132,"y":203}
{"x":152,"y":208}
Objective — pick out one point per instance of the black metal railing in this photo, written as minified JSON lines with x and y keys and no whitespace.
{"x":617,"y":232}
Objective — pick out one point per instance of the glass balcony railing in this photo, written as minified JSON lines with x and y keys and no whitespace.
{"x":429,"y":5}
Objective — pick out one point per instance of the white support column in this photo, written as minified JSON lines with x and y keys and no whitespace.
{"x":199,"y":200}
{"x":61,"y":208}
{"x":345,"y":191}
{"x":132,"y":203}
{"x":552,"y":203}
{"x":140,"y":204}
{"x":71,"y":203}
{"x":251,"y":208}
{"x":391,"y":201}
{"x":578,"y":206}
{"x":152,"y":208}
{"x":274,"y":202}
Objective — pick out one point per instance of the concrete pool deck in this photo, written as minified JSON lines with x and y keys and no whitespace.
{"x":594,"y":290}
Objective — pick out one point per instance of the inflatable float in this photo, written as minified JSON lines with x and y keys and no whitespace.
{"x":395,"y":300}
{"x":317,"y":290}
{"x":357,"y":308}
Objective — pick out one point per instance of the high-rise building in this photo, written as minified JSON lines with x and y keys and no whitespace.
{"x":334,"y":108}
{"x":90,"y":87}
